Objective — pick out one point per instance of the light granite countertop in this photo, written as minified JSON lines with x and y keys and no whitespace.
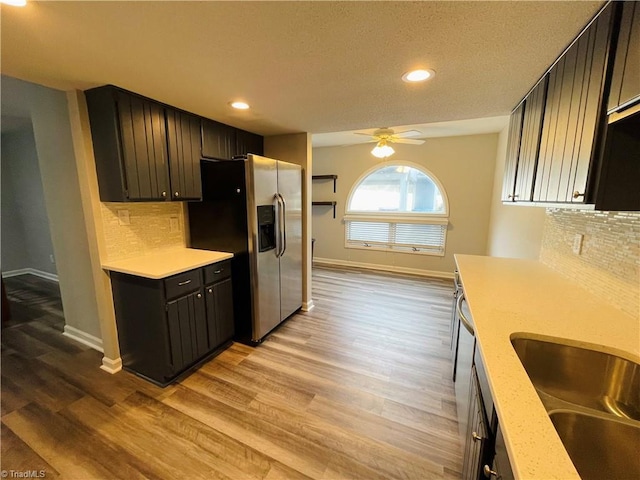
{"x":513,"y":297}
{"x":166,"y":263}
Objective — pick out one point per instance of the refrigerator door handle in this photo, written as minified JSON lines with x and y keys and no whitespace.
{"x":278,"y":227}
{"x":283,"y":225}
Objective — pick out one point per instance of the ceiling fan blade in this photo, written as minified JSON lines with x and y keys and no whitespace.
{"x":409,"y":141}
{"x":407,"y":133}
{"x":364,"y":133}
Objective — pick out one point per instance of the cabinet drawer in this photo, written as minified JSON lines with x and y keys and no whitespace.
{"x":182,"y":284}
{"x":217,"y":271}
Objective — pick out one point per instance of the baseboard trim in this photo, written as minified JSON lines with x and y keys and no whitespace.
{"x":30,"y":271}
{"x":111,"y":365}
{"x":307,"y":306}
{"x":83,"y":337}
{"x":329,"y":262}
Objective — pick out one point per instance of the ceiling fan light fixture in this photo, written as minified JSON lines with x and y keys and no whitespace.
{"x":418,"y":75}
{"x":382,"y":150}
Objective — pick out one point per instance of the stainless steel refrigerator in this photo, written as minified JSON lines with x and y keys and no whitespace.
{"x":252,"y":207}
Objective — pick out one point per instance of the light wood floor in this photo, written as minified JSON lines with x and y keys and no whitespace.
{"x":357,"y":388}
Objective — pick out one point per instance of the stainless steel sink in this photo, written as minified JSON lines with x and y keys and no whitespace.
{"x":600,"y":448}
{"x":587,"y":378}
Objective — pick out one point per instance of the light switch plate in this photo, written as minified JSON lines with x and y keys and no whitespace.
{"x":577,"y":243}
{"x":123,"y":217}
{"x":174,"y":224}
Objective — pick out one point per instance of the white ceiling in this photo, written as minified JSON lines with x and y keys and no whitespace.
{"x":313,"y":67}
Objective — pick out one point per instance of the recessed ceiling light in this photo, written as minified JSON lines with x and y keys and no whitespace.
{"x":240,"y":105}
{"x":418,"y":75}
{"x":14,"y":3}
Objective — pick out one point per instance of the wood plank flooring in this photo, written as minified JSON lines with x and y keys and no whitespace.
{"x":357,"y":388}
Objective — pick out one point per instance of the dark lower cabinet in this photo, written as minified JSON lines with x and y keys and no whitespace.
{"x":169,"y":326}
{"x":219,"y":304}
{"x":187,"y":325}
{"x":485,"y":454}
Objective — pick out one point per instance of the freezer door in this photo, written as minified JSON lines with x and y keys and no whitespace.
{"x":262,"y":186}
{"x":290,"y":190}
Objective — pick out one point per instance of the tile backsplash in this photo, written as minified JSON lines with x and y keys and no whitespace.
{"x":149,"y":229}
{"x":609,"y":263}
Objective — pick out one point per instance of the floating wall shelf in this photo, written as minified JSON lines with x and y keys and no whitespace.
{"x":326,"y":204}
{"x":326,"y":177}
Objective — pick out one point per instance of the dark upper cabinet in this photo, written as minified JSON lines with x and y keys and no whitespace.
{"x":534,"y":106}
{"x":513,"y":151}
{"x":574,"y":116}
{"x":247,"y":142}
{"x":218,"y":140}
{"x":129,"y":142}
{"x":183,"y":139}
{"x":625,"y":81}
{"x":525,"y":127}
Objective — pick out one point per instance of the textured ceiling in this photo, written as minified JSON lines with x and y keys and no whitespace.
{"x":303,"y":66}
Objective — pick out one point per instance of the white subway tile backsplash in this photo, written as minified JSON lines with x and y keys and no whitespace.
{"x":609,"y":264}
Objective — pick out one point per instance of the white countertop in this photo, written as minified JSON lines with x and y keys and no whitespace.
{"x":512,"y":296}
{"x":166,"y":263}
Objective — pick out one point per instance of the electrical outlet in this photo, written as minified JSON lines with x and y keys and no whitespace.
{"x":577,"y":243}
{"x":123,"y":217}
{"x":51,"y":259}
{"x":174,"y":224}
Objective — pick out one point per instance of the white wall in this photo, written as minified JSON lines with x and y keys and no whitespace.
{"x":26,"y":241}
{"x":514,"y":231}
{"x":48,"y":111}
{"x":464,"y":165}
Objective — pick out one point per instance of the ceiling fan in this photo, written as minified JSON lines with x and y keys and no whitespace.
{"x":383,"y":137}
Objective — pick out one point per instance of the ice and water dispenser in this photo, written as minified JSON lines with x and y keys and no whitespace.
{"x":266,"y":228}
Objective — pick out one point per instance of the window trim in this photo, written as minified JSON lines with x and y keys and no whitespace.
{"x":421,"y":218}
{"x":395,"y":163}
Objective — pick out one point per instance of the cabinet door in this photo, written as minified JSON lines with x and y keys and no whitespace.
{"x":247,"y":142}
{"x":224,"y":310}
{"x":220,"y":322}
{"x":218,"y":140}
{"x":187,"y":330}
{"x":573,"y":116}
{"x":477,"y":433}
{"x":144,"y":147}
{"x":625,"y":82}
{"x":530,"y":142}
{"x":183,"y":135}
{"x":513,"y":151}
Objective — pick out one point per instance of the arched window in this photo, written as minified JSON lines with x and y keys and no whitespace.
{"x":399,"y":207}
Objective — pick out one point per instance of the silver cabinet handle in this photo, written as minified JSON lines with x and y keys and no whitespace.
{"x":218,"y":271}
{"x":490,"y":473}
{"x":476,"y":437}
{"x":210,"y":290}
{"x":514,"y":196}
{"x":164,"y":194}
{"x":177,"y":194}
{"x":186,"y":282}
{"x":199,"y":295}
{"x":577,"y":194}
